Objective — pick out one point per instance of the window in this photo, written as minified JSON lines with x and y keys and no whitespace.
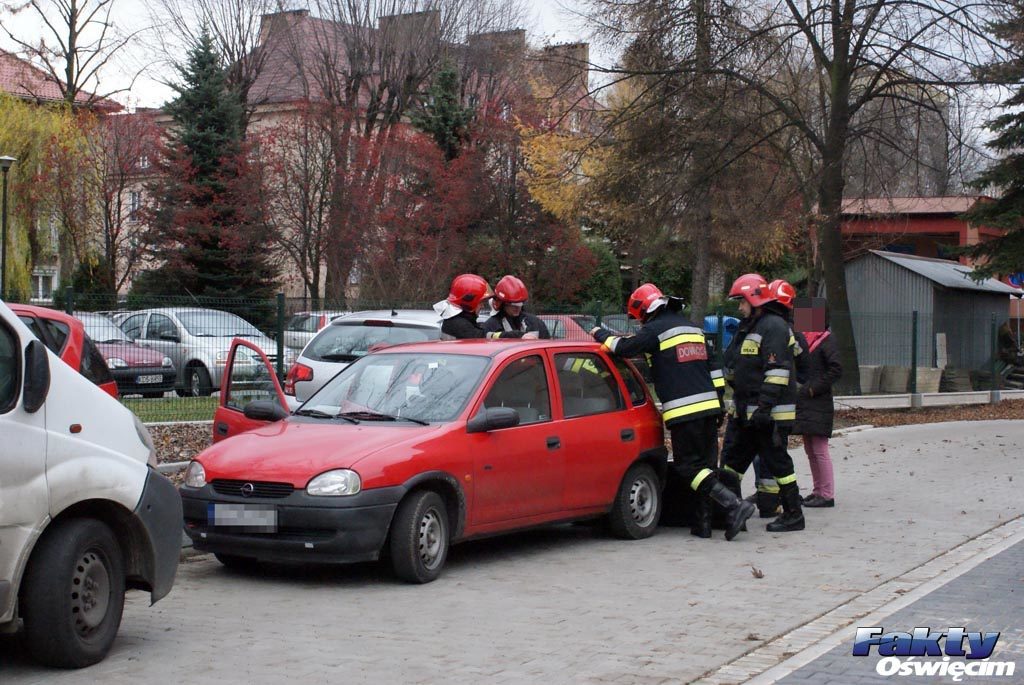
{"x":93,"y":366}
{"x":134,"y":205}
{"x":304,"y":323}
{"x":587,"y":385}
{"x":58,"y":332}
{"x":160,"y":325}
{"x":634,"y":384}
{"x":42,"y":287}
{"x":132,"y":326}
{"x":523,"y":386}
{"x":37,"y":330}
{"x":143,"y":161}
{"x":10,"y":369}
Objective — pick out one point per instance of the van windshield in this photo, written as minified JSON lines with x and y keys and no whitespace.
{"x":421,"y":386}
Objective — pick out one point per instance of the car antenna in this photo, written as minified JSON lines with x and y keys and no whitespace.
{"x":196,"y":299}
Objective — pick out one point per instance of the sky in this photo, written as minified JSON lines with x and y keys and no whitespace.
{"x":551,"y":22}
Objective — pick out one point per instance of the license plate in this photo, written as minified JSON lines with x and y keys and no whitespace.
{"x":149,"y":379}
{"x":252,"y":518}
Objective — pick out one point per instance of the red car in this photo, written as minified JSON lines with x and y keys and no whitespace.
{"x":66,"y":337}
{"x":421,"y":445}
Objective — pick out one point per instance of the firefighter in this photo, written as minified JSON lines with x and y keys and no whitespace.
{"x":691,"y":396}
{"x":509,"y":296}
{"x":467,"y":295}
{"x":759,"y":365}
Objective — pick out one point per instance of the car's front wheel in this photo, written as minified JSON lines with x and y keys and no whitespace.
{"x":73,"y":594}
{"x":420,"y":537}
{"x":197,"y":381}
{"x":637,"y":506}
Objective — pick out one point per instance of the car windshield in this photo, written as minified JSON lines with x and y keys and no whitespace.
{"x":348,"y":342}
{"x":211,"y":323}
{"x":102,"y":330}
{"x":421,"y":386}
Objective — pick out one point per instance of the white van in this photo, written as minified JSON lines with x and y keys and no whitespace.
{"x":84,"y":515}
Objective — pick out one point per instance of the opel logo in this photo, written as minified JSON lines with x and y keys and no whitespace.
{"x":248,"y":489}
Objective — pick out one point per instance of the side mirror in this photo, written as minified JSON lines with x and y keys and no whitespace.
{"x":493,"y":419}
{"x":170,"y":337}
{"x":264,"y":410}
{"x":37,"y":376}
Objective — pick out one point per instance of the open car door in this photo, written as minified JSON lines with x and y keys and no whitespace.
{"x":248,"y":376}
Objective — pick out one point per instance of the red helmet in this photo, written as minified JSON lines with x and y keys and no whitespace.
{"x":468,"y":291}
{"x":510,"y":289}
{"x":752,"y":288}
{"x":644,"y":300}
{"x":782,"y":292}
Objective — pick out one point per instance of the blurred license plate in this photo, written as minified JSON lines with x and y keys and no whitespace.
{"x":149,"y":379}
{"x":255,"y":518}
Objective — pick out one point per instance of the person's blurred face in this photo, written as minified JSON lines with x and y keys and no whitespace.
{"x":484,"y":307}
{"x":745,"y":308}
{"x":809,"y":314}
{"x":513,"y":308}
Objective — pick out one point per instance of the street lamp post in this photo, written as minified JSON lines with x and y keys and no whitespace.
{"x":5,"y":166}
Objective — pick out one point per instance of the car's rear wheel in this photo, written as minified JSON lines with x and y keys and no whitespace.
{"x":420,"y":537}
{"x":637,"y":506}
{"x":73,"y":594}
{"x":197,"y":380}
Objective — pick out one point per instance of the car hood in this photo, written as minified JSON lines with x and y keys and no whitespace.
{"x":132,"y":354}
{"x":295,"y":450}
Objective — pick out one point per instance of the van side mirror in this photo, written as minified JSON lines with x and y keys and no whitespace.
{"x":493,"y":419}
{"x":37,"y":376}
{"x":264,"y":410}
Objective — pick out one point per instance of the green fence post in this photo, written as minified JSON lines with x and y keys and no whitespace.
{"x":913,"y":355}
{"x":598,"y":313}
{"x":280,"y":335}
{"x":995,"y":355}
{"x":69,"y":300}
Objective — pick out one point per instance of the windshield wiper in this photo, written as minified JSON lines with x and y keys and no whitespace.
{"x":377,"y":416}
{"x":112,"y":341}
{"x":317,"y":414}
{"x":330,"y":357}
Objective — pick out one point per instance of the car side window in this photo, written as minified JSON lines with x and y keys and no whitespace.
{"x":37,"y":330}
{"x":59,"y":333}
{"x":10,"y":369}
{"x":634,"y":383}
{"x":556,"y":329}
{"x":132,"y":326}
{"x":523,"y":386}
{"x":93,"y":366}
{"x":158,"y":326}
{"x":587,"y":385}
{"x":303,"y":323}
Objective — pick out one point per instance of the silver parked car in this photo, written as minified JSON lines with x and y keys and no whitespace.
{"x":198,"y":341}
{"x":304,"y":325}
{"x":350,"y":337}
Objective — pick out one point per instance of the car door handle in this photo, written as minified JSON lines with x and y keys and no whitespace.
{"x":627,"y":434}
{"x":554,"y":443}
{"x":222,"y":428}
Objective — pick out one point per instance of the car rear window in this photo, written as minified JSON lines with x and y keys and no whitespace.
{"x":349,"y":341}
{"x":93,"y":365}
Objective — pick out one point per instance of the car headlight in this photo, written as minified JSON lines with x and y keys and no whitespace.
{"x":195,"y":475}
{"x":337,"y":483}
{"x":167,"y":363}
{"x":116,"y":363}
{"x":221,"y":358}
{"x":147,"y":440}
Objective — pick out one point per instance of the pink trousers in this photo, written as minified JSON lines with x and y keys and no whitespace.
{"x":816,"y":447}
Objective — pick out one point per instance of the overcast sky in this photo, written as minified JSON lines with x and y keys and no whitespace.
{"x":550,"y":24}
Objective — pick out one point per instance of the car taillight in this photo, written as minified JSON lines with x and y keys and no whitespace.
{"x":298,"y":372}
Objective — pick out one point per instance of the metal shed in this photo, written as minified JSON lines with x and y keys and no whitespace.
{"x":885,"y":288}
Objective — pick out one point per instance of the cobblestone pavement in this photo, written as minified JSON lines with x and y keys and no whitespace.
{"x":567,"y":604}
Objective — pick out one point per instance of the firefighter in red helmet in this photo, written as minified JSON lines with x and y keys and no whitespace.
{"x":760,"y":367}
{"x":509,"y":297}
{"x":690,"y":390}
{"x":459,"y":310}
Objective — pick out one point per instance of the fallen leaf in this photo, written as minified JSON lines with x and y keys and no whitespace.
{"x":756,"y":572}
{"x":901,"y":591}
{"x":754,"y":637}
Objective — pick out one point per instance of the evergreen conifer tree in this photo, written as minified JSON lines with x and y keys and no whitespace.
{"x":443,"y":117}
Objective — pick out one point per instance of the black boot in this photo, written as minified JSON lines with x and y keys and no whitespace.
{"x":731,"y":481}
{"x":767,"y":504}
{"x":736,"y":510}
{"x":701,"y":516}
{"x":792,"y":516}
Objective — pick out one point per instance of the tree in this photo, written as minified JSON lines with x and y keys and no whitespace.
{"x":442,"y":116}
{"x":1004,"y":255}
{"x":209,"y":229}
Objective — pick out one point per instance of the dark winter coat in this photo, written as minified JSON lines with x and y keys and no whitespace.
{"x":525,"y":322}
{"x":463,"y":326}
{"x":814,"y":407}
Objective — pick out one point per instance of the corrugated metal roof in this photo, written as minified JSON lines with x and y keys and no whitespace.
{"x":886,"y":206}
{"x":946,"y":273}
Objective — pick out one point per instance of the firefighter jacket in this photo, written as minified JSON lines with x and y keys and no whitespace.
{"x":524,"y":322}
{"x":463,"y":325}
{"x":686,"y":378}
{"x":760,"y":367}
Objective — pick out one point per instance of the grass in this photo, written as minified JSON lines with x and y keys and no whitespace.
{"x":173,"y":408}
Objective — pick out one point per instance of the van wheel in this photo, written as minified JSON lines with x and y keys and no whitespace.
{"x":198,"y":383}
{"x":237,"y":563}
{"x":419,"y":537}
{"x":637,"y":506}
{"x":73,"y":594}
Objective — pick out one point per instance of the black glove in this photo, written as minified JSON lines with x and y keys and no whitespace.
{"x":761,"y":419}
{"x":511,"y":334}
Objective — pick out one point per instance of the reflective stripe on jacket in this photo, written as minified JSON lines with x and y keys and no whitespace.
{"x":761,"y":369}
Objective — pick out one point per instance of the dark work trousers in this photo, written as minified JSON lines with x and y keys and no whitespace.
{"x":694,"y":447}
{"x":743,"y":443}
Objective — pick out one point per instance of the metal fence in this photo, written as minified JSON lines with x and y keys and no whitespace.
{"x":168,"y":354}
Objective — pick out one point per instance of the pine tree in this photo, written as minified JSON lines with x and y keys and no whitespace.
{"x":209,"y":228}
{"x":443,"y":117}
{"x":1004,"y":255}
